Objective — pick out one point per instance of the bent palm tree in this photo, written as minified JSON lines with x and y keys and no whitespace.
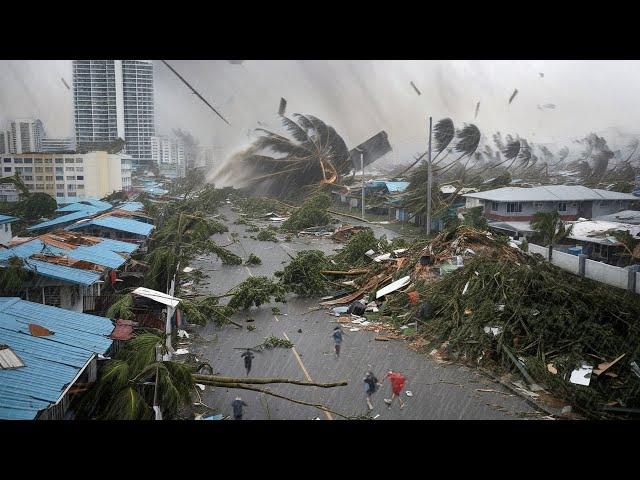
{"x":315,"y":155}
{"x":467,"y":145}
{"x":443,"y":133}
{"x":551,"y":228}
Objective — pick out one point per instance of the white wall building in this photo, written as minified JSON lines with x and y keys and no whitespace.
{"x":5,"y":228}
{"x":25,"y":135}
{"x":165,"y":150}
{"x":4,"y":142}
{"x":70,"y":176}
{"x":114,"y":99}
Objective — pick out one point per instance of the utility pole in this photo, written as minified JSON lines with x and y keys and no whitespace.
{"x":362,"y":167}
{"x":429,"y":183}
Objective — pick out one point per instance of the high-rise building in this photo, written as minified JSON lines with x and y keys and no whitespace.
{"x":165,"y":150}
{"x":57,"y":144}
{"x":25,"y":135}
{"x":4,"y":141}
{"x":114,"y":99}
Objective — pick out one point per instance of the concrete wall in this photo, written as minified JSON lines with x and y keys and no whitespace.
{"x":544,"y":251}
{"x":568,"y":262}
{"x":601,"y":272}
{"x":638,"y":282}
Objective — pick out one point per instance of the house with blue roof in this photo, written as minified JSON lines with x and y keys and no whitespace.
{"x":67,"y":270}
{"x":114,"y":227}
{"x":47,"y":356}
{"x":5,"y":228}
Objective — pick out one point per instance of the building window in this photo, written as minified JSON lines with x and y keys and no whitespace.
{"x":514,"y":207}
{"x":28,"y":160}
{"x":38,"y":160}
{"x":538,"y":204}
{"x":28,"y":169}
{"x":39,"y":170}
{"x":71,"y":177}
{"x":78,"y":160}
{"x":59,"y":177}
{"x":71,"y":187}
{"x":7,"y":160}
{"x":49,"y":178}
{"x":59,"y":160}
{"x":69,"y":169}
{"x":80,"y":177}
{"x":68,"y":160}
{"x":48,"y":160}
{"x":80,"y":187}
{"x":17,"y":160}
{"x":60,"y":186}
{"x":494,"y":206}
{"x":71,"y":194}
{"x":60,"y":194}
{"x":59,"y":169}
{"x":79,"y":169}
{"x":7,"y":169}
{"x":39,"y":178}
{"x":562,"y":206}
{"x":28,"y":178}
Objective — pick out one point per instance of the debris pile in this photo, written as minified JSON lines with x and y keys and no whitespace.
{"x":499,"y":307}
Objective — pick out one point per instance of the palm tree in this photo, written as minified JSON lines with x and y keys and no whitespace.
{"x":551,"y":228}
{"x":469,"y":139}
{"x":13,"y":276}
{"x":443,"y":133}
{"x":314,"y":155}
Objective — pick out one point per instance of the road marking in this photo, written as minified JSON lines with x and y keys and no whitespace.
{"x":304,"y":370}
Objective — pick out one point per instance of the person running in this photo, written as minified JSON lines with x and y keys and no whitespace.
{"x":370,"y":387}
{"x":337,"y":338}
{"x":248,"y":358}
{"x":397,"y":384}
{"x":238,"y":404}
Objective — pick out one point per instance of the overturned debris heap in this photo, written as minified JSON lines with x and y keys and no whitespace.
{"x":485,"y":301}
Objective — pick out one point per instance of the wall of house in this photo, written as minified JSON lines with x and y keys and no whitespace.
{"x":5,"y":234}
{"x":607,"y":207}
{"x":529,"y":209}
{"x":70,"y":298}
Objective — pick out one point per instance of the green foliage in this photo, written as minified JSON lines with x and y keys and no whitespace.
{"x":38,"y":205}
{"x":119,"y":196}
{"x":474,"y":218}
{"x":524,"y":245}
{"x":275,"y":310}
{"x":256,"y":207}
{"x":256,"y":291}
{"x":267,"y":235}
{"x":13,"y":276}
{"x":303,"y":275}
{"x":253,"y":260}
{"x":162,"y":265}
{"x":121,"y":308}
{"x":274,"y":342}
{"x":312,"y":213}
{"x":353,"y":253}
{"x":226,"y":256}
{"x":550,"y":227}
{"x":206,"y":309}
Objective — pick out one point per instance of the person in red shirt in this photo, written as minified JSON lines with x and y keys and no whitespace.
{"x":397,"y":384}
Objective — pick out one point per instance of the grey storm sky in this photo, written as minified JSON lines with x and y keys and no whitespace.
{"x":358,"y":98}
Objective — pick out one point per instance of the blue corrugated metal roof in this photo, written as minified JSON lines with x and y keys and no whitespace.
{"x":131,"y":206}
{"x":7,"y":219}
{"x":51,"y":362}
{"x":71,"y":217}
{"x":116,"y":223}
{"x":80,"y":207}
{"x":103,"y":253}
{"x":61,"y":272}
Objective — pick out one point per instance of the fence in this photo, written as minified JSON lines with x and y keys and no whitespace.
{"x":625,"y":278}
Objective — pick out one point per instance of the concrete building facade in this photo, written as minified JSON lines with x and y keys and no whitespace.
{"x":70,"y":176}
{"x":114,"y":99}
{"x":57,"y":145}
{"x":25,"y":135}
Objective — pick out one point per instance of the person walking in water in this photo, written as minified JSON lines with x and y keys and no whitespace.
{"x":337,"y":338}
{"x":248,"y":358}
{"x":370,"y":387}
{"x":397,"y":384}
{"x":238,"y":405}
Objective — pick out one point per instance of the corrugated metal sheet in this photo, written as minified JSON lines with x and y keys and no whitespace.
{"x":61,"y":272}
{"x":51,"y":363}
{"x":7,"y":219}
{"x":549,"y":193}
{"x":627,"y":216}
{"x":70,"y":217}
{"x":102,"y":253}
{"x":9,"y":359}
{"x":131,"y":206}
{"x":117,"y":223}
{"x":79,"y":207}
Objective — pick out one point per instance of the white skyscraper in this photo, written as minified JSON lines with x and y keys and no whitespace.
{"x":4,"y":141}
{"x":25,"y":135}
{"x":114,"y":99}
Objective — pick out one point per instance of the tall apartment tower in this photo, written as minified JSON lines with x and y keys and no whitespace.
{"x":4,"y":141}
{"x":25,"y":135}
{"x":114,"y":99}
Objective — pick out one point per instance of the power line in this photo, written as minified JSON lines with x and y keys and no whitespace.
{"x":195,"y":91}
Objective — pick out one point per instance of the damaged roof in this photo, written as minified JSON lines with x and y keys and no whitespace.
{"x":116,"y":223}
{"x":52,"y":362}
{"x":68,"y":218}
{"x":549,"y":193}
{"x":131,"y":206}
{"x":7,"y":219}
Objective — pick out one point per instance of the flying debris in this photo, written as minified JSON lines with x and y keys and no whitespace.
{"x":283,"y":107}
{"x":541,"y":75}
{"x":236,"y":62}
{"x":513,"y":95}
{"x":415,"y":88}
{"x":194,"y":91}
{"x":547,"y":106}
{"x":373,"y":149}
{"x":477,"y":109}
{"x":65,"y":83}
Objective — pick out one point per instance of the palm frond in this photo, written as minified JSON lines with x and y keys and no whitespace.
{"x":443,"y":134}
{"x":122,"y":308}
{"x":127,"y":404}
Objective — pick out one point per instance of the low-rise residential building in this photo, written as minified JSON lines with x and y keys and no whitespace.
{"x":47,"y":356}
{"x":114,"y":227}
{"x":513,"y":204}
{"x":9,"y":193}
{"x":70,"y":175}
{"x":67,"y":269}
{"x":5,"y":228}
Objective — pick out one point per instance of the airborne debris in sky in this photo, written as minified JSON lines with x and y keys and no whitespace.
{"x":477,"y":109}
{"x":415,"y":88}
{"x":513,"y":95}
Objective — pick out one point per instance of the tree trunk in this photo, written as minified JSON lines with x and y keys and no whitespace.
{"x":199,"y":378}
{"x":550,"y":251}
